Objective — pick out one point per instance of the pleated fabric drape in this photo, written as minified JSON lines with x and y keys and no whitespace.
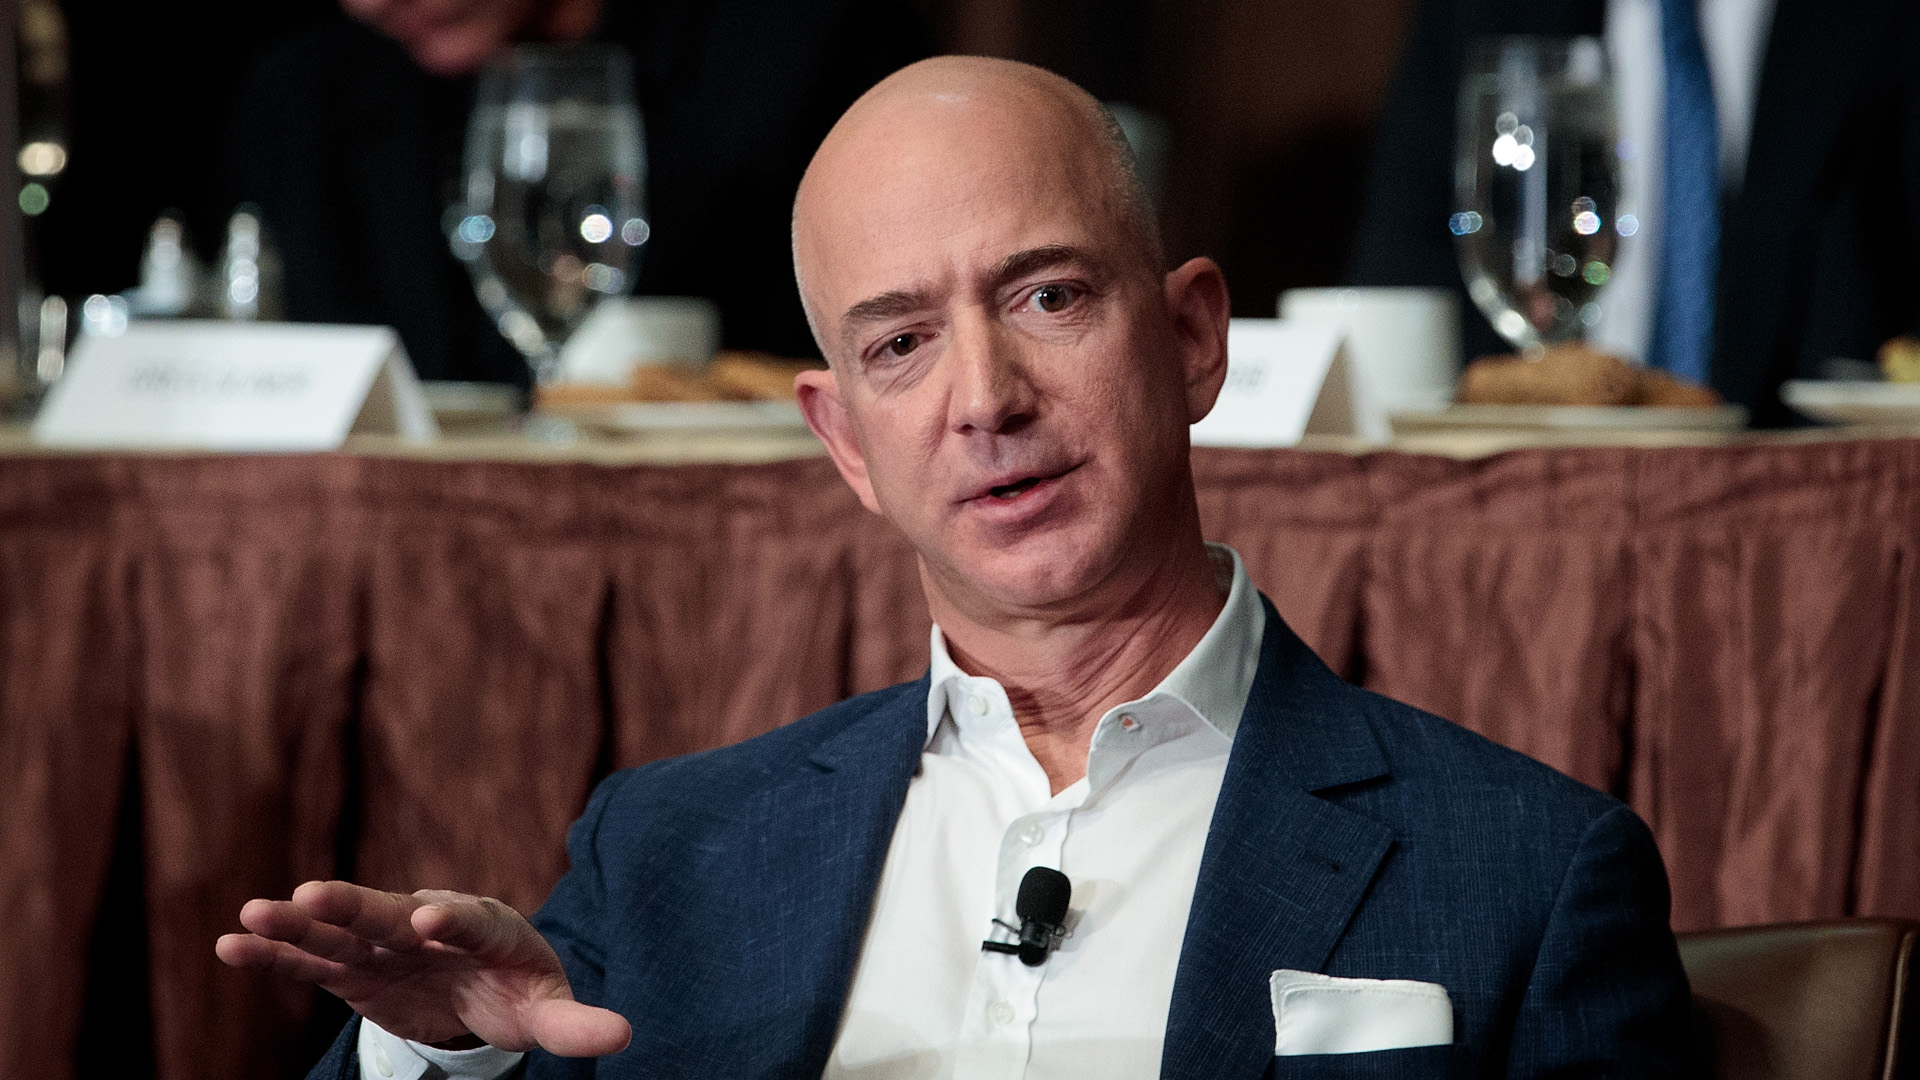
{"x":270,"y":669}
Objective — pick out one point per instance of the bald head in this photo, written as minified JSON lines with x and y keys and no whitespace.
{"x":957,"y":137}
{"x":1014,"y":369}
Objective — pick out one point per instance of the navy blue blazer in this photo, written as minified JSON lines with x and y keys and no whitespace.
{"x":719,"y":900}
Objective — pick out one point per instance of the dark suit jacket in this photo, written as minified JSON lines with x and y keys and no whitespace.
{"x":1820,"y":243}
{"x":719,"y":900}
{"x":353,"y":154}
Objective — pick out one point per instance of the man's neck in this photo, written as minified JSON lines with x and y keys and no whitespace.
{"x":1062,"y":675}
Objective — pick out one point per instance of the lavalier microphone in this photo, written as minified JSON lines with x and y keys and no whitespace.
{"x":1042,"y":908}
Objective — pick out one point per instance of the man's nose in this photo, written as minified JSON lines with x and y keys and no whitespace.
{"x":991,"y":392}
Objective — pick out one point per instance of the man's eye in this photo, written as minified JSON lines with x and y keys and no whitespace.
{"x":1052,"y":297}
{"x":902,"y":344}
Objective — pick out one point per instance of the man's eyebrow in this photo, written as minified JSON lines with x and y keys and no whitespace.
{"x":1034,"y":260}
{"x":887,"y":305}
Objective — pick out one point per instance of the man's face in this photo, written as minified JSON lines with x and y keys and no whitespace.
{"x":1005,"y":362}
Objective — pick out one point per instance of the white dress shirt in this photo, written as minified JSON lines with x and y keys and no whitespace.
{"x":1734,"y":35}
{"x":926,"y":1001}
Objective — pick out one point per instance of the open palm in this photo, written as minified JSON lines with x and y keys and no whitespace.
{"x":431,"y":966}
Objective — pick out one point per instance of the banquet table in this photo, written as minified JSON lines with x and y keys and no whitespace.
{"x":225,"y":675}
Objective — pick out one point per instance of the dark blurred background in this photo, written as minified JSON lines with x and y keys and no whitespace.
{"x":1266,"y":107}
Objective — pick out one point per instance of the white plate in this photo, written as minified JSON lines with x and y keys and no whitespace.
{"x":1852,"y":402}
{"x":641,"y":417}
{"x":1573,"y":418}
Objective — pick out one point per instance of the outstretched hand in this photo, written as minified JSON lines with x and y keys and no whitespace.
{"x":431,"y":967}
{"x":448,"y":37}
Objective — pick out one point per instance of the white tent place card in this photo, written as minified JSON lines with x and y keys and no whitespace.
{"x":1286,"y":380}
{"x":234,"y":386}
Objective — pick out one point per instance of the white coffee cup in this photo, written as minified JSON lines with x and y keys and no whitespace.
{"x":1404,"y":342}
{"x":625,"y":332}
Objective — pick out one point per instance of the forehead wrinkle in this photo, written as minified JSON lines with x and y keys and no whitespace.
{"x":926,"y":294}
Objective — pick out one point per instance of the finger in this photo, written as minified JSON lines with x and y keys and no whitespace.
{"x":254,"y":953}
{"x":383,"y":918}
{"x":281,"y":920}
{"x":567,"y":1028}
{"x":478,"y":925}
{"x":275,"y":918}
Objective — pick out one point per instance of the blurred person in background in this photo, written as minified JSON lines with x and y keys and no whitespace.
{"x":1774,"y":154}
{"x":349,"y":136}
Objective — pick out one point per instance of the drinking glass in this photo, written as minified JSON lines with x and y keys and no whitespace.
{"x":1539,"y":213}
{"x":553,"y":216}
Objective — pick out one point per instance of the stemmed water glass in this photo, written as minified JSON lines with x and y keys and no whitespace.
{"x":553,"y":215}
{"x":1539,"y":214}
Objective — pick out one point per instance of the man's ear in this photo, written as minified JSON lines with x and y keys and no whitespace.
{"x":1197,"y":299}
{"x":819,"y":395}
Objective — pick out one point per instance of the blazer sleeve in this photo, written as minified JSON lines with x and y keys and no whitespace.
{"x":573,"y":922}
{"x":1607,"y":996}
{"x":572,"y":918}
{"x":342,"y":1061}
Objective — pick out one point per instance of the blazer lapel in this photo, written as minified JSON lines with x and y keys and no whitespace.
{"x":813,"y":856}
{"x":1283,"y":870}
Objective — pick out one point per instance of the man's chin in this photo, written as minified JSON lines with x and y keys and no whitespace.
{"x":1037,"y":572}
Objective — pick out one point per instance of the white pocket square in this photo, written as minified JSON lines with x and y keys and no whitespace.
{"x":1319,"y":1014}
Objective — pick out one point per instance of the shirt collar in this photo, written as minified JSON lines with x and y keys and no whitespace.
{"x":1213,"y":680}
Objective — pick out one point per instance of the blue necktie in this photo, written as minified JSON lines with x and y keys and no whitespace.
{"x":1682,"y":339}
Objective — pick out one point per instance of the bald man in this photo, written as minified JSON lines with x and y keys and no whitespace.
{"x":1272,"y":872}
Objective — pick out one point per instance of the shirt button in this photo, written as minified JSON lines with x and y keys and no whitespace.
{"x":381,"y":1062}
{"x":1128,"y":722}
{"x":1031,"y":834}
{"x":977,"y":704}
{"x":1000,"y":1012}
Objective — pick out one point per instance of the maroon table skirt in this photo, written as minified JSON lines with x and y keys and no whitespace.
{"x":225,"y":676}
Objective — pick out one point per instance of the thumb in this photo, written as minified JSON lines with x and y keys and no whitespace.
{"x":566,"y":1028}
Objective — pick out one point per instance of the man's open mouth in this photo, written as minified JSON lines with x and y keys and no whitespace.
{"x":1016,"y":485}
{"x":1008,"y":491}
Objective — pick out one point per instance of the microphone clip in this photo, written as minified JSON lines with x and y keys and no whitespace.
{"x":1037,"y":941}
